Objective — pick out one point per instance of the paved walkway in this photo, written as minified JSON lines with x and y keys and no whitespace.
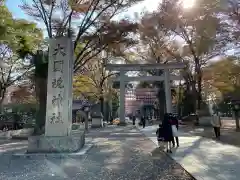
{"x":118,"y":153}
{"x":204,"y":158}
{"x":12,"y":146}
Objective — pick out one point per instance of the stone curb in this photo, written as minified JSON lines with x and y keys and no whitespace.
{"x":82,"y":152}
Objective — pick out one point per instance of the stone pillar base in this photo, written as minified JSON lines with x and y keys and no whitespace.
{"x":97,"y":123}
{"x":48,"y":144}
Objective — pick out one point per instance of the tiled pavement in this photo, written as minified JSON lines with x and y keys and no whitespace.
{"x":118,"y":153}
{"x":204,"y":158}
{"x":12,"y":146}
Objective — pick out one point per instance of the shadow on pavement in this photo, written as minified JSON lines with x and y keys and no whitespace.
{"x":113,"y":156}
{"x":204,"y":157}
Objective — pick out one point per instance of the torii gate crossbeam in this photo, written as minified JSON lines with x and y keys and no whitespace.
{"x":146,"y":78}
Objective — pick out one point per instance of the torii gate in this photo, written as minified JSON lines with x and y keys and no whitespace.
{"x":166,"y":77}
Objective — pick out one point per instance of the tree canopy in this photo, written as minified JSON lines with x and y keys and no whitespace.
{"x":17,"y":37}
{"x":90,"y":23}
{"x":222,"y":78}
{"x":94,"y":82}
{"x":172,"y":33}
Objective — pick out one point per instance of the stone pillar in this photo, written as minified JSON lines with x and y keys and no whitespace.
{"x":168,"y":95}
{"x":70,"y":85}
{"x":59,"y":90}
{"x":122,"y":97}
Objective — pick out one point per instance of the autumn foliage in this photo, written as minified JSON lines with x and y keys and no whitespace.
{"x":96,"y":31}
{"x":23,"y":95}
{"x":171,"y":33}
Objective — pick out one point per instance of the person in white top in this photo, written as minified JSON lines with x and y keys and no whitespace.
{"x":216,"y":123}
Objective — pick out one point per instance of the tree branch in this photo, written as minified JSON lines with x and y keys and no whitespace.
{"x":50,"y":16}
{"x":93,"y":21}
{"x":43,"y":16}
{"x":81,"y":64}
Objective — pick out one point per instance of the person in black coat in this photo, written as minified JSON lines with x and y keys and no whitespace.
{"x":143,"y":121}
{"x":159,"y":134}
{"x":133,"y":119}
{"x":167,"y":131}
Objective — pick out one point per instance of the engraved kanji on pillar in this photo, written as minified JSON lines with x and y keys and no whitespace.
{"x":59,"y":98}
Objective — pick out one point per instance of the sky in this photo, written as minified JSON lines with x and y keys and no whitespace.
{"x":13,"y":6}
{"x":149,"y":5}
{"x":145,"y":5}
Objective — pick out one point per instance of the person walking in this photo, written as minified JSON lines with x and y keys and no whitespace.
{"x":216,"y":123}
{"x":175,"y":126}
{"x":167,"y":132}
{"x":16,"y":121}
{"x":159,"y":134}
{"x":143,"y":120}
{"x":134,"y":119}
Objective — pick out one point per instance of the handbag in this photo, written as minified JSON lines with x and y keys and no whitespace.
{"x":174,"y":131}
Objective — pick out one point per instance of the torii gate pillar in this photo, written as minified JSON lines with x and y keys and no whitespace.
{"x":122,"y":97}
{"x":168,"y":95}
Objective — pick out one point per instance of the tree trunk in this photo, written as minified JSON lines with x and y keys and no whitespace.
{"x":106,"y":111}
{"x":199,"y":93}
{"x":86,"y":122}
{"x":179,"y":100}
{"x":237,"y":121}
{"x":198,"y":82}
{"x":189,"y":98}
{"x":2,"y":96}
{"x":1,"y":105}
{"x":41,"y":93}
{"x":101,"y":100}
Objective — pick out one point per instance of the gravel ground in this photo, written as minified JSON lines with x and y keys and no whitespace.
{"x":118,"y":154}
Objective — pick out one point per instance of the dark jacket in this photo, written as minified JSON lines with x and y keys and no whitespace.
{"x":167,"y":128}
{"x":134,"y":118}
{"x":159,"y":132}
{"x":174,"y":121}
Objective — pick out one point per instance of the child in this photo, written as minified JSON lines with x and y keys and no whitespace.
{"x":159,"y":134}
